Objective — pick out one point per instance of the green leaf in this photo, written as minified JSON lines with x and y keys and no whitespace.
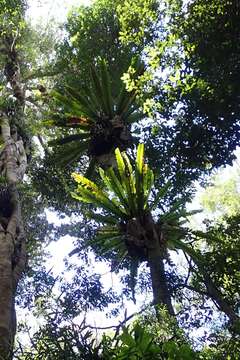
{"x":89,"y":192}
{"x":148,"y":181}
{"x":134,"y":117}
{"x":196,"y":256}
{"x":139,"y":176}
{"x":106,"y":87}
{"x":91,"y":167}
{"x":118,"y":189}
{"x":98,"y":90}
{"x":68,"y":103}
{"x":130,"y":185}
{"x":102,"y":218}
{"x":113,"y":184}
{"x":161,"y":193}
{"x":71,"y":153}
{"x":69,"y":138}
{"x":88,"y":107}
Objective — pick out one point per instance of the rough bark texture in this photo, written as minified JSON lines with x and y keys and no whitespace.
{"x":12,"y":239}
{"x":13,"y":162}
{"x":105,"y":137}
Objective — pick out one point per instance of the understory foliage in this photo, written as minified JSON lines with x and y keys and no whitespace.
{"x":107,"y":124}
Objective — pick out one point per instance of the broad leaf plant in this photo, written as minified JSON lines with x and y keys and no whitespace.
{"x":96,"y":119}
{"x":129,"y":226}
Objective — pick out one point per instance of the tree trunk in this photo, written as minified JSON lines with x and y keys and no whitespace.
{"x":161,"y":294}
{"x":13,"y":162}
{"x":212,"y":291}
{"x":156,"y":248}
{"x":12,"y":239}
{"x":12,"y":263}
{"x":218,"y":297}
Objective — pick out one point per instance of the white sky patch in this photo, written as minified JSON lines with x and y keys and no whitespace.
{"x":46,"y":10}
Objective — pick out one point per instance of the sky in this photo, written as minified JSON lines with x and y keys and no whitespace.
{"x":45,"y":10}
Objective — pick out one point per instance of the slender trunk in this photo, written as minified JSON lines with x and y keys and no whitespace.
{"x":161,"y":294}
{"x":212,"y":291}
{"x":155,"y":245}
{"x":215,"y":294}
{"x":218,"y":297}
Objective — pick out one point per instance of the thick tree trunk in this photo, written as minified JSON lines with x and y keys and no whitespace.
{"x":12,"y":263}
{"x":13,"y":162}
{"x":12,"y":240}
{"x":6,"y":295}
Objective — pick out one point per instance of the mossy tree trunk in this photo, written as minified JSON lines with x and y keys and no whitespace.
{"x":13,"y":163}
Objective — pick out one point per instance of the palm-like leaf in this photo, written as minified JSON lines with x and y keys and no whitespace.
{"x":126,"y":197}
{"x":127,"y":190}
{"x":94,"y":107}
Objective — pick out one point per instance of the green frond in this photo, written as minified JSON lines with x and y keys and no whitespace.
{"x":64,"y":120}
{"x":68,"y":103}
{"x":139,"y":176}
{"x":148,"y":181}
{"x":89,"y":192}
{"x":68,"y":139}
{"x":87,"y":106}
{"x":109,"y":238}
{"x":121,"y":168}
{"x":98,"y":90}
{"x":91,"y":167}
{"x":107,"y":243}
{"x":125,"y":102}
{"x":117,"y":187}
{"x":71,"y":153}
{"x":124,"y":109}
{"x":105,"y":179}
{"x":127,"y":180}
{"x":111,"y":220}
{"x":107,"y":233}
{"x":194,"y":255}
{"x":121,"y":99}
{"x":112,"y":184}
{"x":55,"y":119}
{"x":106,"y":86}
{"x":130,"y":184}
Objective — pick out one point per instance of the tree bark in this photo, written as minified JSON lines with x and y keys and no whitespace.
{"x":13,"y":163}
{"x":161,"y":294}
{"x":12,"y":240}
{"x":155,"y":249}
{"x":12,"y":263}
